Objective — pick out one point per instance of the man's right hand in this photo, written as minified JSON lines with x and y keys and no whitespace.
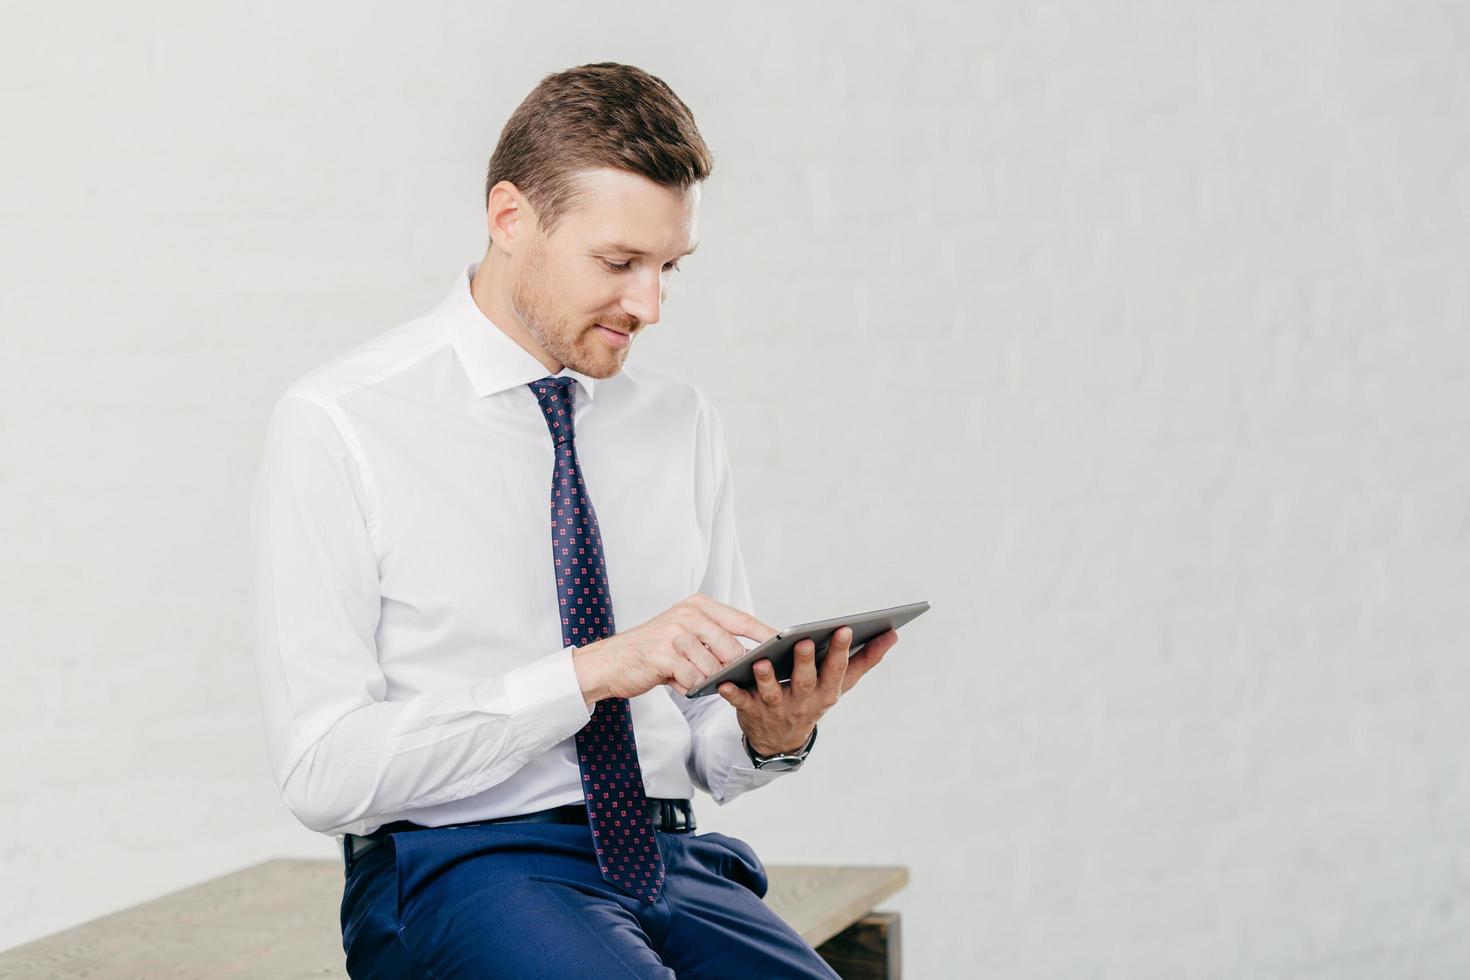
{"x":680,"y":647}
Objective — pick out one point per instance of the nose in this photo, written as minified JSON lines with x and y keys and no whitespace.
{"x":644,"y":297}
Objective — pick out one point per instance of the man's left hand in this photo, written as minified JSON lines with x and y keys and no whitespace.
{"x":779,"y":718}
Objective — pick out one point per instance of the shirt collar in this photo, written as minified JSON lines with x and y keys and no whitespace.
{"x":493,"y":361}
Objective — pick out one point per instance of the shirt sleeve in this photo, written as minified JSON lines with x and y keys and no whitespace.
{"x":717,"y":761}
{"x":340,"y":751}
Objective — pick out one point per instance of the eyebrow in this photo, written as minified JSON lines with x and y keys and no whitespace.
{"x":623,"y":248}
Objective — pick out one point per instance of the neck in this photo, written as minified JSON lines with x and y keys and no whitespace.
{"x":490,"y":289}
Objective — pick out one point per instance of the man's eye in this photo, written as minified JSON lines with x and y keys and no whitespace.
{"x":622,"y":266}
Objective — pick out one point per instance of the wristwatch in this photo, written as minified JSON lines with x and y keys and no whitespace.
{"x":781,"y":761}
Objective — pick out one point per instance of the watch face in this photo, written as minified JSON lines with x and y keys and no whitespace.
{"x":784,"y":762}
{"x":778,"y":764}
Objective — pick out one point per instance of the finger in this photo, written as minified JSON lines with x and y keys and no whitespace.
{"x":768,"y":689}
{"x":735,"y":695}
{"x":856,"y":668}
{"x":834,"y":664}
{"x":867,"y":658}
{"x":697,"y":654}
{"x":875,"y":647}
{"x":681,"y":675}
{"x":685,"y":676}
{"x":724,"y":646}
{"x":732,"y":620}
{"x":804,"y":670}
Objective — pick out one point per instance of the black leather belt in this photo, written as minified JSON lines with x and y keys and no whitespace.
{"x":670,"y":816}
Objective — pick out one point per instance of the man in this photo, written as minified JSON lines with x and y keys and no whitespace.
{"x":457,"y":705}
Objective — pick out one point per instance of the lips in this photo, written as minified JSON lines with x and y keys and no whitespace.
{"x":614,"y":337}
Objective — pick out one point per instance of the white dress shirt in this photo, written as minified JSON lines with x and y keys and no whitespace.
{"x":407,"y":630}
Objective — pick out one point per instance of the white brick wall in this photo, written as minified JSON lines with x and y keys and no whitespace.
{"x":1134,"y":336}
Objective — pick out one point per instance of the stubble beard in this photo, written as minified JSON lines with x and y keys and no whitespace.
{"x":530,"y":301}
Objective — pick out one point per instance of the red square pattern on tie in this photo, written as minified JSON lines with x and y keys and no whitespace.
{"x":627,"y":849}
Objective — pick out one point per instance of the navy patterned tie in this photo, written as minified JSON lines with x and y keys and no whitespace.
{"x":612,"y":783}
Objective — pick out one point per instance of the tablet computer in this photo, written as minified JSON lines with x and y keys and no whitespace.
{"x":781,"y":648}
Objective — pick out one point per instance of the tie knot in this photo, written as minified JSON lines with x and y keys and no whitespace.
{"x":556,"y":398}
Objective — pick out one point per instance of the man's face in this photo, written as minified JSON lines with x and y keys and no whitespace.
{"x":569,"y":288}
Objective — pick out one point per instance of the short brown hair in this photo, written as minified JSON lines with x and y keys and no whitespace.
{"x":592,"y":116}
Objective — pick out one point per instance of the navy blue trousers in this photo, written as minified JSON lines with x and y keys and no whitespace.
{"x":526,"y":900}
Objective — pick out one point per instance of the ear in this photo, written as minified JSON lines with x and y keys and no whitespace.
{"x":509,"y":216}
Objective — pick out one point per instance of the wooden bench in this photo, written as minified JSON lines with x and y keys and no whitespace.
{"x":278,"y":920}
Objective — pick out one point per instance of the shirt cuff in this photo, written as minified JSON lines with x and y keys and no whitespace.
{"x":740,"y":775}
{"x":545,"y":692}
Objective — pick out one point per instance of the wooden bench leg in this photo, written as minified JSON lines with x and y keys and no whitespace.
{"x":866,"y":950}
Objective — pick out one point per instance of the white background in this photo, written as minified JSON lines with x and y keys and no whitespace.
{"x":1135,"y":337}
